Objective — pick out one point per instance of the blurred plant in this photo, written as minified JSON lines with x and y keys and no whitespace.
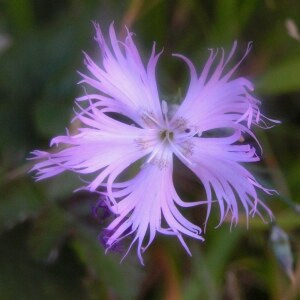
{"x":280,"y":243}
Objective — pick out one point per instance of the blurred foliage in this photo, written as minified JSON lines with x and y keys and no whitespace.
{"x":48,"y":236}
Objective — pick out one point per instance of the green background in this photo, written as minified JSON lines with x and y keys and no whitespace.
{"x":49,"y":246}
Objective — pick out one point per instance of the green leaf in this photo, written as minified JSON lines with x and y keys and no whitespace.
{"x":61,"y":186}
{"x":21,"y":277}
{"x":282,"y":78}
{"x":121,"y":279}
{"x":48,"y":233}
{"x":208,"y":267}
{"x":19,"y":201}
{"x":21,"y":14}
{"x":54,"y":110}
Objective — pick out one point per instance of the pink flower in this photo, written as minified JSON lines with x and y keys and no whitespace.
{"x":125,"y":123}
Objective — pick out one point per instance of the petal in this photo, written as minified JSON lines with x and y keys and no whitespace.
{"x":107,"y":146}
{"x":122,"y":80}
{"x":214,"y":96}
{"x":147,"y":203}
{"x":216,"y":164}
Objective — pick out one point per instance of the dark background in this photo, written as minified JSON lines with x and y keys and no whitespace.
{"x":49,"y":247}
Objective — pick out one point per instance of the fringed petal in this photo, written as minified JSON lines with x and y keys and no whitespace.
{"x":217,"y":165}
{"x":145,"y":205}
{"x":216,"y":95}
{"x":123,"y":79}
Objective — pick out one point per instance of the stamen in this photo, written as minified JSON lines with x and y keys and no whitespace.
{"x":180,"y":124}
{"x":164,"y":108}
{"x":188,"y":148}
{"x":153,"y":154}
{"x":149,"y":119}
{"x":145,"y":143}
{"x":187,"y":151}
{"x":142,"y":144}
{"x":166,"y":142}
{"x":199,"y":133}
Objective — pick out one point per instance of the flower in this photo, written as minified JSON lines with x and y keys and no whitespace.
{"x":124,"y":122}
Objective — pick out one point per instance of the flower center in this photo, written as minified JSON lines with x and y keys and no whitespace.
{"x":166,"y":137}
{"x":166,"y":134}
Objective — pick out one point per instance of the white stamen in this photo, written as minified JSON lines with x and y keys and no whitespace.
{"x":164,"y":107}
{"x":180,"y":154}
{"x":149,"y":115}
